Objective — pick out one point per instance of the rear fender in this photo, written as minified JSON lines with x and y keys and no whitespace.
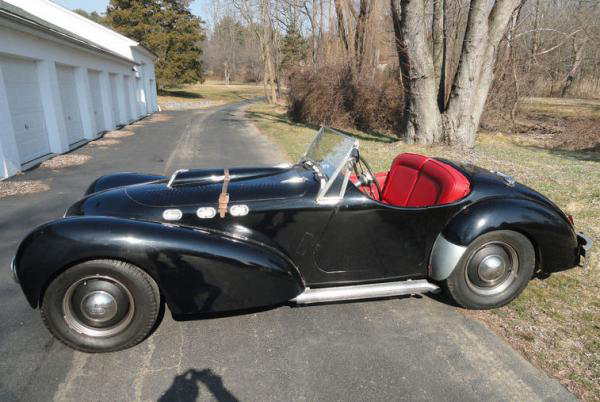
{"x":196,"y":270}
{"x":553,"y":238}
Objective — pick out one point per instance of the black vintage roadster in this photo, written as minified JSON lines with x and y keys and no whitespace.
{"x":323,"y":230}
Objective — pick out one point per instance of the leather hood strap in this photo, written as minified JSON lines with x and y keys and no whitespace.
{"x":224,"y":196}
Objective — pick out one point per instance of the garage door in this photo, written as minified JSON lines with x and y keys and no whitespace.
{"x":115,"y":99}
{"x":140,"y":97}
{"x":94,"y":79}
{"x":70,"y":104}
{"x":126,"y":85}
{"x":27,"y":113}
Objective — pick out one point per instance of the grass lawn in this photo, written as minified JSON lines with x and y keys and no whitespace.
{"x":555,"y":323}
{"x":208,"y":94}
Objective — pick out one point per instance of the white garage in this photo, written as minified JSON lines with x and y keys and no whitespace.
{"x":27,"y":114}
{"x":64,"y":80}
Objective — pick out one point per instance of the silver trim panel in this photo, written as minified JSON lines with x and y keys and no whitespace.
{"x":444,"y":258}
{"x":369,"y":291}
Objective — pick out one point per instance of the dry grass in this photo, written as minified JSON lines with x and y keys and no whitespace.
{"x":555,"y":323}
{"x":11,"y":187}
{"x":560,"y":107}
{"x":118,"y":134}
{"x":64,"y":161}
{"x":104,"y":142}
{"x":158,"y":118}
{"x":208,"y":94}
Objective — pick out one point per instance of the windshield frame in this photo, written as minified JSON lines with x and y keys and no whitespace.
{"x":327,"y":182}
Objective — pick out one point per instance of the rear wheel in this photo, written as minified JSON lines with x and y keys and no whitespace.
{"x":494,"y":270}
{"x":101,"y":306}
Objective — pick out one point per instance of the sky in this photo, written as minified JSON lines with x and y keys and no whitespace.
{"x":199,"y":7}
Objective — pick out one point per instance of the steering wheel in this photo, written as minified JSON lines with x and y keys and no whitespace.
{"x":360,"y":167}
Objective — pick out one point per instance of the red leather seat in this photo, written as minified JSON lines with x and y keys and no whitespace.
{"x":418,"y":181}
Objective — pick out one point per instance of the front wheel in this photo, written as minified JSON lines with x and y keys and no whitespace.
{"x":493,"y":271}
{"x":101,"y":306}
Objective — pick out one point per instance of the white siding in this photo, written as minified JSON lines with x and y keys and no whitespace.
{"x":27,"y":113}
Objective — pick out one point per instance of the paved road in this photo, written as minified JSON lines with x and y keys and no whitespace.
{"x":394,"y":349}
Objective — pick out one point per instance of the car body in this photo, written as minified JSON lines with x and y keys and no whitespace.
{"x":305,"y":233}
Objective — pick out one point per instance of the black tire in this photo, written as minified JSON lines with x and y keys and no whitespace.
{"x":101,"y":306}
{"x":480,"y":281}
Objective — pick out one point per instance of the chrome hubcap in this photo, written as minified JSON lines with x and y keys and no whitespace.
{"x":98,"y":306}
{"x":492,"y":268}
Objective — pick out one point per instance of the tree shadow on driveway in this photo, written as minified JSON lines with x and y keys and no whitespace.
{"x":186,"y":387}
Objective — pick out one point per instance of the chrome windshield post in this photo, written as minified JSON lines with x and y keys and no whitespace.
{"x":174,"y":176}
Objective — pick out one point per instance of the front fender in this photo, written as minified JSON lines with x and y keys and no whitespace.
{"x":196,"y":270}
{"x":552,"y":236}
{"x":120,"y":179}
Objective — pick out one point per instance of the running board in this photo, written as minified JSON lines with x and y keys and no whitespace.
{"x":369,"y":291}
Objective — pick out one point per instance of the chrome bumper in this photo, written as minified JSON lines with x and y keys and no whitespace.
{"x":13,"y":270}
{"x":585,"y":247}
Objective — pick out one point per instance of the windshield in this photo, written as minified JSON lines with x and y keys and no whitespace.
{"x":329,"y":153}
{"x":329,"y":150}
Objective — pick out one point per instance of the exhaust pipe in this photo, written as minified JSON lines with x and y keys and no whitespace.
{"x":368,"y":291}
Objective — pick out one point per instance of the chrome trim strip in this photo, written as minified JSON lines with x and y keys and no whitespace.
{"x":368,"y":291}
{"x":13,"y":270}
{"x":444,"y":258}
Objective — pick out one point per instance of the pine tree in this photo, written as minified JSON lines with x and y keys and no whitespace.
{"x":294,"y":48}
{"x":94,"y":16}
{"x":167,"y":28}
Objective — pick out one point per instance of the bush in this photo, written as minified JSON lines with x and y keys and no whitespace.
{"x":333,"y":96}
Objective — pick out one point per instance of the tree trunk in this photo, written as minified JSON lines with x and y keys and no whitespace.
{"x":438,"y":33}
{"x":341,"y":25}
{"x":535,"y":38}
{"x":226,"y":72}
{"x":269,"y":70}
{"x":458,"y":123}
{"x":577,"y":59}
{"x":422,"y":118}
{"x":361,"y":28}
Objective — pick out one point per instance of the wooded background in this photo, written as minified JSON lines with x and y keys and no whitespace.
{"x":427,"y":71}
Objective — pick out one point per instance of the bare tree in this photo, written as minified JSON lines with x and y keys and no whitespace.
{"x":457,"y":123}
{"x":258,"y":17}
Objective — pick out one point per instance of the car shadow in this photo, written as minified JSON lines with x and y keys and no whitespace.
{"x":224,"y":314}
{"x":186,"y":387}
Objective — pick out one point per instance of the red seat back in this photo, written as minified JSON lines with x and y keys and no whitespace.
{"x":402,"y":178}
{"x":419,"y":181}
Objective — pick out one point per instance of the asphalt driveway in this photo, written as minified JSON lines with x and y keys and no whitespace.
{"x":392,"y":349}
